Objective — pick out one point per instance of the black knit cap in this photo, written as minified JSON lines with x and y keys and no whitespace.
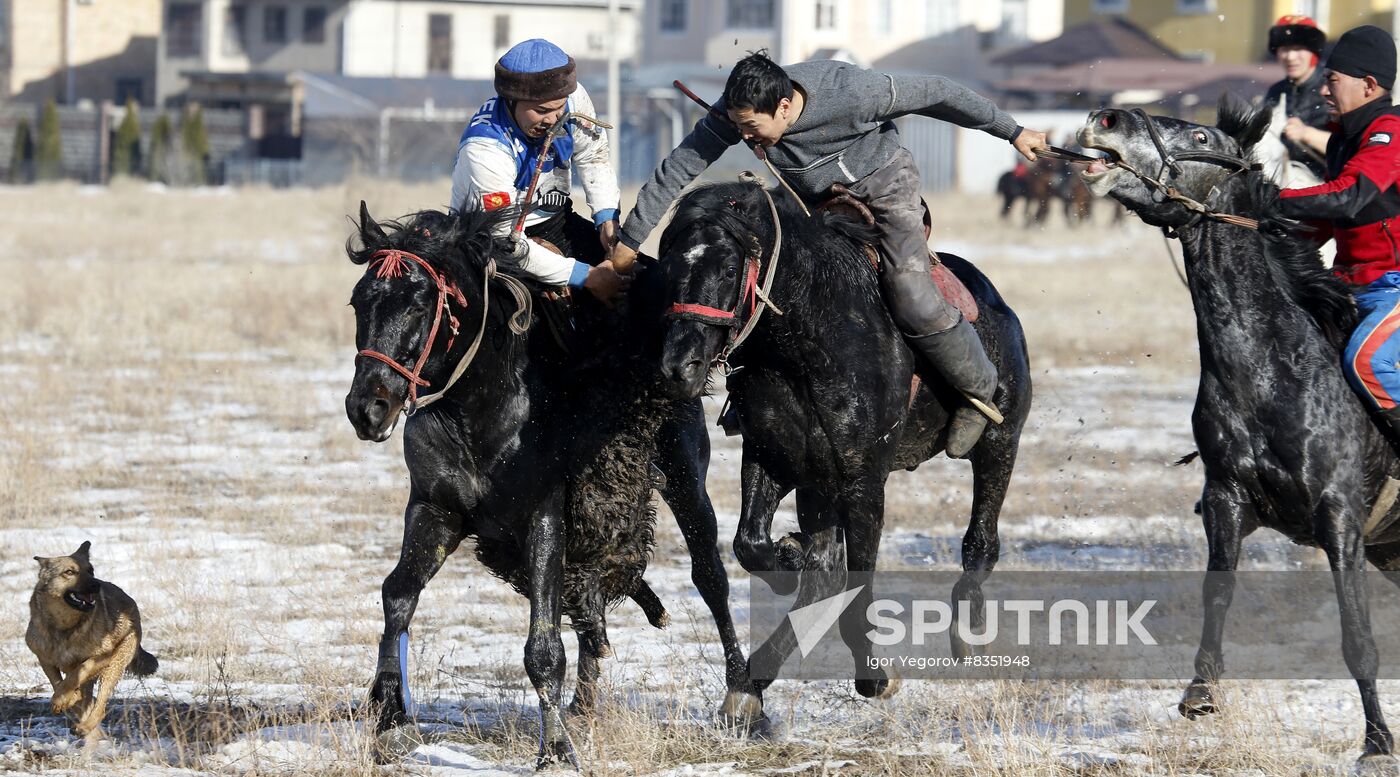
{"x":1365,"y":51}
{"x":1296,"y":30}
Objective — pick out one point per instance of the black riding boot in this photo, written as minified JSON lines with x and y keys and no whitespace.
{"x":1390,"y":425}
{"x":958,"y":356}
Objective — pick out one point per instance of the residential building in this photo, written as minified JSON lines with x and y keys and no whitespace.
{"x":73,"y":50}
{"x":718,"y":32}
{"x":243,"y":54}
{"x":372,"y":38}
{"x":1229,"y":31}
{"x":464,"y":38}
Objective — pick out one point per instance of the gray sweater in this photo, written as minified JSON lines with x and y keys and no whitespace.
{"x":845,"y":132}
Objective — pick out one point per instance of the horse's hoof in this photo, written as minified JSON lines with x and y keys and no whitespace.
{"x":882,"y":688}
{"x":557,"y":756}
{"x":742,"y":713}
{"x":962,"y":650}
{"x":792,"y":551}
{"x":393,"y":744}
{"x":1197,"y":702}
{"x":892,"y":687}
{"x":1376,"y":764}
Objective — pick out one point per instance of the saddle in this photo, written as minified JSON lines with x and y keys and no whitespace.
{"x":949,"y":285}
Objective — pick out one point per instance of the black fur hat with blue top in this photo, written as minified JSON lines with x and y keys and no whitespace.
{"x":535,"y":71}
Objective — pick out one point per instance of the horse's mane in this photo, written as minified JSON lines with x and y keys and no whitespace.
{"x":824,"y":248}
{"x":458,"y":244}
{"x":741,"y":211}
{"x":1296,"y":265}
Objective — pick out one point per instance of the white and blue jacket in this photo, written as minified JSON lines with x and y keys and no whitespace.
{"x":495,"y":160}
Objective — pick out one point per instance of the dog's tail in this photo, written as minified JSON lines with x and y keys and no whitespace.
{"x":143,"y":664}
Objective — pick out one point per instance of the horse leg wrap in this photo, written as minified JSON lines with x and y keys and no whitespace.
{"x":403,"y":674}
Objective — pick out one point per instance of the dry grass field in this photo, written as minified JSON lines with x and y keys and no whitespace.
{"x":173,"y":366}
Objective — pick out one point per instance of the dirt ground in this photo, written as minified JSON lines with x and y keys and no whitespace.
{"x":173,"y":368}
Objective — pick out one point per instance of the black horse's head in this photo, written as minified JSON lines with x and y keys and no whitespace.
{"x":1204,"y":155}
{"x":709,"y":259}
{"x":411,"y":308}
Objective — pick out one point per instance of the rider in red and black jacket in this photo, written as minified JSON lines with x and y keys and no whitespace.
{"x":1360,"y":199}
{"x":1360,"y":202}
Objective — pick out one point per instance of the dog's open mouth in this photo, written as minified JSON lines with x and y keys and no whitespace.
{"x":81,"y":601}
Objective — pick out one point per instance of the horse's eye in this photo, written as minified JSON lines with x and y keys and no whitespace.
{"x":1201,"y":138}
{"x":731,"y":271}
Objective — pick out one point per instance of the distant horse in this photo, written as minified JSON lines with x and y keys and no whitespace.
{"x":1078,"y":200}
{"x":822,"y":393}
{"x":1285,"y":442}
{"x":1011,"y":186}
{"x":546,"y":463}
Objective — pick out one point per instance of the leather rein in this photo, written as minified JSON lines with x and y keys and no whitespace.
{"x":389,"y":264}
{"x":752,"y":294}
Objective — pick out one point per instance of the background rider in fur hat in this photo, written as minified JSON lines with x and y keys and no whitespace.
{"x":1297,"y":43}
{"x":535,"y":86}
{"x":1360,"y":206}
{"x":827,"y":122}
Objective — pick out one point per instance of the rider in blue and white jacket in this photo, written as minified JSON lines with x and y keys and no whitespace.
{"x":496,"y":156}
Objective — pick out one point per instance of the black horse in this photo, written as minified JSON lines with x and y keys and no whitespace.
{"x":822,"y":393}
{"x":545,"y":462}
{"x":1285,"y":442}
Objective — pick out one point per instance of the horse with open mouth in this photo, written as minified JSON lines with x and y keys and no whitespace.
{"x":1285,"y":442}
{"x":543,"y":458}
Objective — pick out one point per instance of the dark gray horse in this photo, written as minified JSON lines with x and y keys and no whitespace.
{"x":1285,"y":443}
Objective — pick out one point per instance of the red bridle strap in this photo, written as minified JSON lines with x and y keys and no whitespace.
{"x":716,"y":316}
{"x":389,"y":264}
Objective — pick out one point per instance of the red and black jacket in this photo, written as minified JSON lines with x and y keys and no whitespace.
{"x":1360,"y":200}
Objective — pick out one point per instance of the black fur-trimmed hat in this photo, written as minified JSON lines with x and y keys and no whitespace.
{"x":1295,"y":30}
{"x":535,"y":71}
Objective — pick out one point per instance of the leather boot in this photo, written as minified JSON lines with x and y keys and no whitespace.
{"x":959,"y":358}
{"x":1390,"y":424}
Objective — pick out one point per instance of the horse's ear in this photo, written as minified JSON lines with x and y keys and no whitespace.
{"x":370,"y":231}
{"x":1241,"y":120}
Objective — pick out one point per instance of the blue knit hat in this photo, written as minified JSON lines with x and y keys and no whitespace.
{"x":535,"y":71}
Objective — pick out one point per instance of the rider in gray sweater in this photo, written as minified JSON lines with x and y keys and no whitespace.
{"x":830,"y":122}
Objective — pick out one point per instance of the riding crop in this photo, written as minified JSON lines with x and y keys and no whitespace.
{"x":554,"y":132}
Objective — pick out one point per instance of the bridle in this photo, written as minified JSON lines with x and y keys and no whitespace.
{"x":391,"y":264}
{"x":751,"y":294}
{"x":1171,"y":168}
